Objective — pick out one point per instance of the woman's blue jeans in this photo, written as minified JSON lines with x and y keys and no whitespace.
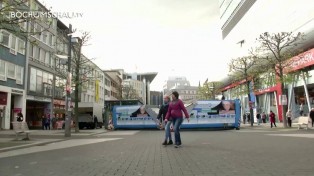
{"x":167,"y":131}
{"x":176,"y":126}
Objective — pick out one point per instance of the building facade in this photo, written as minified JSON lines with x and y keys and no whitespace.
{"x":33,"y":76}
{"x":41,"y":62}
{"x":243,"y":21}
{"x":12,"y":77}
{"x":187,"y":93}
{"x":140,"y":83}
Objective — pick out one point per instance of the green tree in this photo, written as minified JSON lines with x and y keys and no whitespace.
{"x":209,"y":90}
{"x":242,"y":68}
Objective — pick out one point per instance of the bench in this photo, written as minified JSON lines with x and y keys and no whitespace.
{"x":303,"y":120}
{"x":19,"y":128}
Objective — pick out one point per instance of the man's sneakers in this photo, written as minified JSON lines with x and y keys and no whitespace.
{"x":177,"y":145}
{"x":165,"y":142}
{"x":170,"y":142}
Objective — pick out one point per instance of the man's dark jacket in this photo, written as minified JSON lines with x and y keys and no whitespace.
{"x":163,"y":111}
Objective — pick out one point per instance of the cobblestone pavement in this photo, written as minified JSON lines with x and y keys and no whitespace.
{"x":140,"y":153}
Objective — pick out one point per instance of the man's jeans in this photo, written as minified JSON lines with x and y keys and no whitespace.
{"x":167,"y":131}
{"x":176,"y":126}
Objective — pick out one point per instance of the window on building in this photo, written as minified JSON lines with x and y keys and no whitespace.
{"x":5,"y":38}
{"x":47,"y":59}
{"x":19,"y":74}
{"x":50,"y":39}
{"x":32,"y":83}
{"x":45,"y":77}
{"x":42,"y":55}
{"x":37,"y":31}
{"x":44,"y":37}
{"x":11,"y":70}
{"x":39,"y":80}
{"x":21,"y":46}
{"x":31,"y":50}
{"x":3,"y":70}
{"x":36,"y":53}
{"x":13,"y":44}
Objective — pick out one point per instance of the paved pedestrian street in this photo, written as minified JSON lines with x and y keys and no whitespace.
{"x":242,"y":152}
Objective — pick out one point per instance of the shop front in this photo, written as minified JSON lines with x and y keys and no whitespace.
{"x":11,"y":102}
{"x":36,"y":109}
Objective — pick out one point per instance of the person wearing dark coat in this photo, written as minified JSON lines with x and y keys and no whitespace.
{"x":161,"y":117}
{"x":312,"y":116}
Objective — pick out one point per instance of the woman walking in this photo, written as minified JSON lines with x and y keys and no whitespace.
{"x":289,"y":117}
{"x":272,"y":119}
{"x":175,"y":114}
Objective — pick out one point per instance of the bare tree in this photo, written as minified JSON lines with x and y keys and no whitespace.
{"x":275,"y":50}
{"x":128,"y":92}
{"x":82,"y":71}
{"x":242,"y":67}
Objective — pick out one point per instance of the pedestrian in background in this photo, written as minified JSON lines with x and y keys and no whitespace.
{"x":264,"y":117}
{"x":47,"y":123}
{"x":43,"y":122}
{"x":19,"y":117}
{"x":272,"y":119}
{"x":312,"y":116}
{"x":175,"y":109}
{"x":258,"y":117}
{"x":248,"y":116}
{"x":289,"y":117}
{"x":161,"y":117}
{"x":301,"y":109}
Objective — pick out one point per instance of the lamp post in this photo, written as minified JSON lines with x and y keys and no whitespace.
{"x":67,"y":126}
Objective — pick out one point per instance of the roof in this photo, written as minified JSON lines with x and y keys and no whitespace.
{"x":148,"y":76}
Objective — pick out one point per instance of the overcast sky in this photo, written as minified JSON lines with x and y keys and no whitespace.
{"x":171,"y":37}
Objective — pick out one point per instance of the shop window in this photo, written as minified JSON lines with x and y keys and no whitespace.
{"x":3,"y":70}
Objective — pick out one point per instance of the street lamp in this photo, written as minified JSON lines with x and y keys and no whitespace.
{"x":67,"y":126}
